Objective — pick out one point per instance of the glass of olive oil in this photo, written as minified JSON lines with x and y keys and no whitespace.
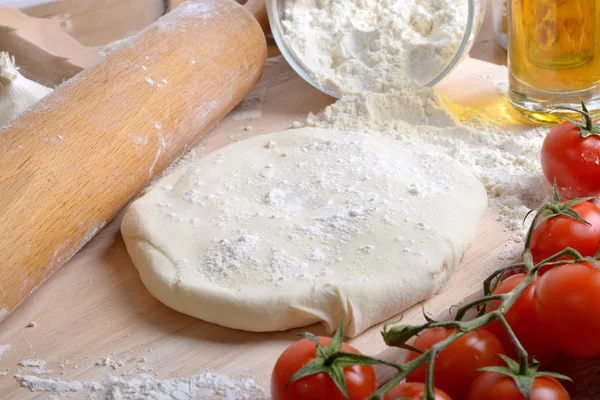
{"x":554,"y":56}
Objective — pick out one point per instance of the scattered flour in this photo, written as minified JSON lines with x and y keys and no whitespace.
{"x":374,"y":45}
{"x":33,"y":363}
{"x":107,"y":48}
{"x":36,"y":384}
{"x":203,"y":385}
{"x":57,"y":139}
{"x":150,"y":82}
{"x":40,"y":371}
{"x":507,"y":163}
{"x":4,"y":348}
{"x":109,"y":362}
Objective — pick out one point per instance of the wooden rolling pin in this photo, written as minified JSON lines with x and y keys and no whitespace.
{"x":68,"y":165}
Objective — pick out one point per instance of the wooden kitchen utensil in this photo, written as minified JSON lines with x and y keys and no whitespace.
{"x":68,"y":165}
{"x":47,"y":54}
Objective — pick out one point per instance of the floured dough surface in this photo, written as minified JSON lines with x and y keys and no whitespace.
{"x":303,"y":226}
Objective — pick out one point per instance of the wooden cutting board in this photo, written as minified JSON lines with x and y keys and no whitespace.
{"x":96,"y":305}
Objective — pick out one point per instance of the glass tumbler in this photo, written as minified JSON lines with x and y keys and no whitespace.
{"x":554,"y":57}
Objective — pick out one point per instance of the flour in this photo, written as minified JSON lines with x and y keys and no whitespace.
{"x":40,"y":371}
{"x":33,"y":363}
{"x":363,"y":46}
{"x":150,"y":82}
{"x":109,"y":362}
{"x":115,"y":44}
{"x":4,"y":348}
{"x":203,"y":385}
{"x":507,"y":163}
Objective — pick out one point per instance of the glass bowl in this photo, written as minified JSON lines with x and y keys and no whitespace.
{"x":276,"y":11}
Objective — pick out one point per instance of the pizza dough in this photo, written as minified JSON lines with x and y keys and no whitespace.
{"x":303,"y":226}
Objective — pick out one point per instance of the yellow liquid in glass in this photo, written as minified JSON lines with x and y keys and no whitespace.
{"x":554,"y":44}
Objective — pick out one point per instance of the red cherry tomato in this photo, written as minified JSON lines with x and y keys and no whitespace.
{"x":573,"y":160}
{"x":560,"y":232}
{"x":456,"y":366}
{"x":413,"y":391}
{"x":567,"y":302}
{"x":493,"y":386}
{"x":360,"y":380}
{"x":524,"y":322}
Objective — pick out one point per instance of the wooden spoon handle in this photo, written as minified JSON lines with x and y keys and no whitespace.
{"x":69,"y":164}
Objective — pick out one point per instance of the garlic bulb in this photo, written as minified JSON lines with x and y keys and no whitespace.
{"x":17,"y":93}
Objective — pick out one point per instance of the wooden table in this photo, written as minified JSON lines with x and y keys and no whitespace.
{"x":96,"y":305}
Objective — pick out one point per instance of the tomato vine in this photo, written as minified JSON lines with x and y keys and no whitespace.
{"x":332,"y":360}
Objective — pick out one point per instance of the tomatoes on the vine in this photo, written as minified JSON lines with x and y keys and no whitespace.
{"x":456,"y":366}
{"x":495,"y":386}
{"x":571,"y":155}
{"x":360,"y":380}
{"x":566,"y":301}
{"x":561,"y":231}
{"x":524,"y":322}
{"x":413,"y":391}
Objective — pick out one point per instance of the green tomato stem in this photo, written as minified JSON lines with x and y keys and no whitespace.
{"x":587,"y":118}
{"x":460,"y":314}
{"x":523,"y":356}
{"x":429,"y":380}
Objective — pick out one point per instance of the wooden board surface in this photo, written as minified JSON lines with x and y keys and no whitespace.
{"x":96,"y":305}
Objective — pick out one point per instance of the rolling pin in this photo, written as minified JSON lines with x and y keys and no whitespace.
{"x":70,"y":163}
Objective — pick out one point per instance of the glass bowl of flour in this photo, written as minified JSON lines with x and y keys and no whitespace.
{"x":350,"y":47}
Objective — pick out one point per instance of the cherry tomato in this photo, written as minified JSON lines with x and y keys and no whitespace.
{"x":524,"y":323}
{"x":360,"y":380}
{"x":413,"y":391}
{"x":567,"y":302}
{"x":456,"y":366}
{"x":573,"y":160}
{"x":494,"y":386}
{"x":560,"y":232}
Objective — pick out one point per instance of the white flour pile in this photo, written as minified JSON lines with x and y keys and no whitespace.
{"x":507,"y":163}
{"x":4,"y":348}
{"x":362,"y":46}
{"x":33,"y":363}
{"x":204,"y":385}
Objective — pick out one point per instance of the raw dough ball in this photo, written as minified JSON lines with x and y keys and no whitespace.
{"x":316,"y":226}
